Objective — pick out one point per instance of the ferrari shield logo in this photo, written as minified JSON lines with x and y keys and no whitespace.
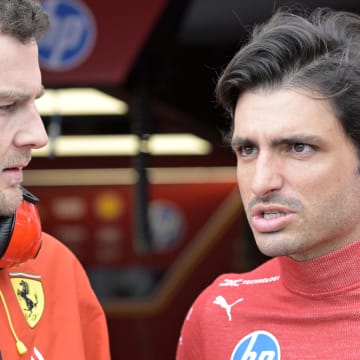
{"x":30,"y":295}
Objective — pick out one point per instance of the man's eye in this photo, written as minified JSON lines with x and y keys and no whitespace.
{"x":246,"y":150}
{"x":301,"y":148}
{"x":8,"y":107}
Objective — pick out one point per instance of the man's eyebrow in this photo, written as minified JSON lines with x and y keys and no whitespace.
{"x":240,"y":141}
{"x":298,"y":138}
{"x":292,"y":139}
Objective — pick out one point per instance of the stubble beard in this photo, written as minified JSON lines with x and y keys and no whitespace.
{"x":11,"y":196}
{"x":10,"y":200}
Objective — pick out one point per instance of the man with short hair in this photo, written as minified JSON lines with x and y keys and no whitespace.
{"x":48,"y":310}
{"x":293,"y":93}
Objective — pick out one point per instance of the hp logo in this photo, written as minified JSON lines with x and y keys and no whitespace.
{"x":71,"y":36}
{"x":259,"y":345}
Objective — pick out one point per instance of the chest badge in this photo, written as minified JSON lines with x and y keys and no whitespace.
{"x":30,"y":294}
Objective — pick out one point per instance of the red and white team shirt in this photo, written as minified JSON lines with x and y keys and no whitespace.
{"x":282,"y":310}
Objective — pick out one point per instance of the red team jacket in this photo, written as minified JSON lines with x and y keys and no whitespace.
{"x":282,"y":310}
{"x":52,"y":309}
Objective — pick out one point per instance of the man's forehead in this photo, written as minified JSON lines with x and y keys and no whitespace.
{"x":282,"y":110}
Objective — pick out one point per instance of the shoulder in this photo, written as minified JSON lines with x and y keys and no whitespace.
{"x":58,"y":267}
{"x":55,"y":259}
{"x":222,"y":293}
{"x":207,"y":311}
{"x":55,"y":249}
{"x":49,"y":242}
{"x":267,"y":274}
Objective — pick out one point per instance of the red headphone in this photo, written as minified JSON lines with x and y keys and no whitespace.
{"x":20,"y":233}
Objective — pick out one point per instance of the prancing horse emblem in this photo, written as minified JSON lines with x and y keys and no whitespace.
{"x":24,"y":292}
{"x":30,"y":296}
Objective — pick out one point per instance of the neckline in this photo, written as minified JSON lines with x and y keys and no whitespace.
{"x":330,"y":273}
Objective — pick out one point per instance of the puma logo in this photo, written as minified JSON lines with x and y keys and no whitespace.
{"x":220,"y":300}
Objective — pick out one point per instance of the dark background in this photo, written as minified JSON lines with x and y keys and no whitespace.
{"x":169,"y":86}
{"x":171,"y":80}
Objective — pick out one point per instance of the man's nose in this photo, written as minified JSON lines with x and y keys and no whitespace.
{"x":31,"y":132}
{"x":267,"y":176}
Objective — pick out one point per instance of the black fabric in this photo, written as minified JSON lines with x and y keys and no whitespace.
{"x":29,"y":197}
{"x":6,"y":230}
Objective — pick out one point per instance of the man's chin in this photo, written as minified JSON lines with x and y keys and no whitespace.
{"x":10,"y":200}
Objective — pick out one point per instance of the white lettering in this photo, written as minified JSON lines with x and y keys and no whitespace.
{"x":236,"y":283}
{"x":261,"y":281}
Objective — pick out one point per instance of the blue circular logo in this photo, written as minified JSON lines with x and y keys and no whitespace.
{"x":166,"y":223}
{"x":71,"y":36}
{"x":259,"y":345}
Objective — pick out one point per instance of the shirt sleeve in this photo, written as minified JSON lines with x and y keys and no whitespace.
{"x":190,"y":345}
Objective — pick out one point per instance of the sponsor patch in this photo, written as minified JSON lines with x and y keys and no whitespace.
{"x":259,"y":345}
{"x":30,"y":295}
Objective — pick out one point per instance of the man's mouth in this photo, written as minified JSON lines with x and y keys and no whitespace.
{"x":15,"y":174}
{"x":272,"y":214}
{"x":272,"y":219}
{"x":13,"y":168}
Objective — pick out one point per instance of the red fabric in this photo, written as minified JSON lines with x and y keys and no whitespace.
{"x":309,"y":310}
{"x":72,"y":325}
